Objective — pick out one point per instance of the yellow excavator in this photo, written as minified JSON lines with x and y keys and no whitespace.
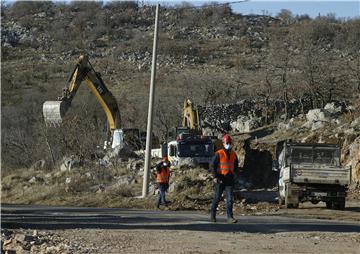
{"x":191,"y":117}
{"x":190,"y":121}
{"x":54,"y":111}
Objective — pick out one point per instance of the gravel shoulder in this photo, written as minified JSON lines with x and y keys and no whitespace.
{"x":169,"y":241}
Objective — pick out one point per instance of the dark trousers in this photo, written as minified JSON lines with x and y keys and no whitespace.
{"x":219,"y":189}
{"x":161,"y":196}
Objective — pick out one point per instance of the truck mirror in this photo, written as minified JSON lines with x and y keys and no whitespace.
{"x":164,"y":150}
{"x":172,"y":151}
{"x":275,"y":165}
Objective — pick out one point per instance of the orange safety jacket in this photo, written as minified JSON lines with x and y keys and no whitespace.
{"x":163,"y":176}
{"x":226,"y":164}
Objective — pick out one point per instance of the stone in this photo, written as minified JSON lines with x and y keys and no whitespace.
{"x":316,"y":115}
{"x":335,"y":108}
{"x":317,"y":125}
{"x":356,"y":124}
{"x":32,"y":180}
{"x":244,"y":124}
{"x":70,"y":162}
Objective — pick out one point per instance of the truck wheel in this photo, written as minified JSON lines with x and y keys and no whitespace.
{"x":290,"y":205}
{"x":281,"y":201}
{"x":290,"y":201}
{"x":339,"y":205}
{"x":329,"y":204}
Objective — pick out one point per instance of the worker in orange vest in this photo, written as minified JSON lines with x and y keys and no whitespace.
{"x":162,"y":179}
{"x":224,"y":164}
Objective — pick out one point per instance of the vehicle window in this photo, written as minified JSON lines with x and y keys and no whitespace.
{"x":319,"y":155}
{"x":187,"y":150}
{"x":301,"y":155}
{"x":172,"y":150}
{"x":326,"y":156}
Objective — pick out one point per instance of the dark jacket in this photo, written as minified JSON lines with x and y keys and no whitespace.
{"x":229,"y":178}
{"x":160,"y":165}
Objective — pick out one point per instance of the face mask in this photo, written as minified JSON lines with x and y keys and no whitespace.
{"x":227,"y":146}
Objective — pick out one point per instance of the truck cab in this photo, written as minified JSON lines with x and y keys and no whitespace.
{"x":311,"y":172}
{"x":189,"y":149}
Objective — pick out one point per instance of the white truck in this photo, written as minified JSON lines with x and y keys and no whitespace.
{"x":311,"y":172}
{"x":189,"y":149}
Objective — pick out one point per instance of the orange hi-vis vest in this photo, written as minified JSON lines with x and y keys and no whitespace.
{"x":226,"y":164}
{"x":163,"y":176}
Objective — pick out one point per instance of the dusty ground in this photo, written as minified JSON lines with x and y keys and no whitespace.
{"x":155,"y":241}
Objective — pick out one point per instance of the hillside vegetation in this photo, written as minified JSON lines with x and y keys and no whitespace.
{"x":210,"y":55}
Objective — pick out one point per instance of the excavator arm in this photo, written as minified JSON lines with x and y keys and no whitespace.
{"x":191,"y":116}
{"x":54,"y":111}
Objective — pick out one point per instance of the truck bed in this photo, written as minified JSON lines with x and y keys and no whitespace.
{"x":318,"y":175}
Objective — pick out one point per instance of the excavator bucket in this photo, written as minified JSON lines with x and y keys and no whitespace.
{"x":53,"y":112}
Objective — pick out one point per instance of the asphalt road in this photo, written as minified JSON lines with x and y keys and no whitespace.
{"x":46,"y":217}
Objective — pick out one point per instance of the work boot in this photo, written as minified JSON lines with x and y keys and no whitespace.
{"x":231,"y":220}
{"x":213,"y":218}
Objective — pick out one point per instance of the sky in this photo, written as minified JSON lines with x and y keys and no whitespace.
{"x":341,"y":8}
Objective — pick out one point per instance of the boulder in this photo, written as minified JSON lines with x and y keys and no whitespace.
{"x":335,"y":108}
{"x":286,"y":126}
{"x":316,"y":115}
{"x":244,"y":124}
{"x":70,"y":162}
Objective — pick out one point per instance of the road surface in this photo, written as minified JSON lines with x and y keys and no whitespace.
{"x":141,"y":229}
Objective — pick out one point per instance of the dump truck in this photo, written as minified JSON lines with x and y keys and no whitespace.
{"x":311,"y":172}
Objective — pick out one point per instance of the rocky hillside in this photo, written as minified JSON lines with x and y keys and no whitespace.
{"x":210,"y":55}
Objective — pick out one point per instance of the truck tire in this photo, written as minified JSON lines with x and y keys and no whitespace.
{"x":281,"y":201}
{"x":339,"y":205}
{"x":329,"y":205}
{"x":290,"y":202}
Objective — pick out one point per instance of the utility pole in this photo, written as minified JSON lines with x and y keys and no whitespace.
{"x":145,"y":190}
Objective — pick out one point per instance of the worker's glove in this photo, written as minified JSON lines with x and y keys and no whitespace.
{"x":216,"y":180}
